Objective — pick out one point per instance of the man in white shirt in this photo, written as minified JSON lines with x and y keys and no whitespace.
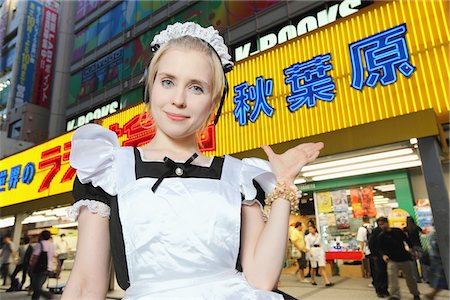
{"x":362,"y":237}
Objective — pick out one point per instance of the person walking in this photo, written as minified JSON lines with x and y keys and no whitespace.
{"x":41,"y":263}
{"x":314,"y":248}
{"x":297,"y":239}
{"x":7,"y":256}
{"x":437,"y":276}
{"x":413,"y":231}
{"x":362,"y":237}
{"x":392,"y":248}
{"x":25,"y":251}
{"x":380,"y":278}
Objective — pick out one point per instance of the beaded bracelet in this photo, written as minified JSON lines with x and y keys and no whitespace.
{"x":286,"y":192}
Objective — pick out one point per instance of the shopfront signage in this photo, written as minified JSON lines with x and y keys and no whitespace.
{"x":304,"y":25}
{"x":380,"y":56}
{"x":97,"y":113}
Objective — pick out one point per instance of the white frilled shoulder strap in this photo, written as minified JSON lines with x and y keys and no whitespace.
{"x":93,"y":155}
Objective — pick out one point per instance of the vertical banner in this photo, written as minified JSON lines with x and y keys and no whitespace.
{"x":44,"y":72}
{"x":362,"y":202}
{"x":4,"y":10}
{"x":28,"y":52}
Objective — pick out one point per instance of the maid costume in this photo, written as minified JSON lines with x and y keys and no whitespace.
{"x":174,"y":227}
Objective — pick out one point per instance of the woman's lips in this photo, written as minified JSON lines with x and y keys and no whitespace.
{"x":176,"y":117}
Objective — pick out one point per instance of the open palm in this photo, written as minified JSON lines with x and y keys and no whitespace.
{"x":287,"y":165}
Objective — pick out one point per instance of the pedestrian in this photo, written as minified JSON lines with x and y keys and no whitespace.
{"x":41,"y":263}
{"x":392,"y":248}
{"x":310,"y":223}
{"x":413,"y":231}
{"x":437,"y":278}
{"x":7,"y":256}
{"x":147,"y":192}
{"x":62,"y":250}
{"x":24,"y":251}
{"x":380,"y":276}
{"x":362,"y":237}
{"x":314,"y":247}
{"x":297,"y":239}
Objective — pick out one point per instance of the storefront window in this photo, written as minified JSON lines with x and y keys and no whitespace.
{"x":339,"y":211}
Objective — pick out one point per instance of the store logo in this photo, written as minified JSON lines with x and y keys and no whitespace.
{"x":98,"y":113}
{"x":305,"y":25}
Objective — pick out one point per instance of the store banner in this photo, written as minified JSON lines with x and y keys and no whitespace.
{"x":362,"y":202}
{"x":28,"y":52}
{"x":44,"y":170}
{"x":323,"y":200}
{"x":44,"y":72}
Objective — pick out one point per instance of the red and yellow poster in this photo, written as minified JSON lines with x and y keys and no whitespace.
{"x":362,"y":202}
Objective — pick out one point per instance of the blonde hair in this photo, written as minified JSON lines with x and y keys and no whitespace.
{"x":189,"y":43}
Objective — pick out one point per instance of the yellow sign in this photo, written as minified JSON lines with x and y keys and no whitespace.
{"x":427,"y":40}
{"x":38,"y":172}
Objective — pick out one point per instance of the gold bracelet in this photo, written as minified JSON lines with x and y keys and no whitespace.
{"x":285,"y":192}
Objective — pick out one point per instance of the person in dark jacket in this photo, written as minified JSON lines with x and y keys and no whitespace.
{"x":380,"y":279}
{"x":392,"y":248}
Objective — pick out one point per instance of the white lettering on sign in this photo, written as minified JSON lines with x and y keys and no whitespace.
{"x":306,"y":24}
{"x":98,"y":113}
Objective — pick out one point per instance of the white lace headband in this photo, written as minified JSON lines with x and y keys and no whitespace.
{"x":209,"y":35}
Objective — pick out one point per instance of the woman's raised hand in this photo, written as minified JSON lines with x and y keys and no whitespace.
{"x":287,"y":165}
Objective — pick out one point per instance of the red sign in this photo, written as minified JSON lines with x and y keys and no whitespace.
{"x":46,"y":56}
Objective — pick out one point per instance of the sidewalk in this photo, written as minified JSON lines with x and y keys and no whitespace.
{"x":344,"y":289}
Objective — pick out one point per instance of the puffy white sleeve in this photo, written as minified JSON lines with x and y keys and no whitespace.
{"x":92,"y":155}
{"x":257,"y":180}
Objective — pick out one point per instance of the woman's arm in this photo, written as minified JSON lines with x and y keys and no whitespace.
{"x":90,"y":274}
{"x":263,"y":245}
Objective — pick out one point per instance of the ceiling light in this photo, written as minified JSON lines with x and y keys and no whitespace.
{"x":386,"y":187}
{"x":66,"y":225}
{"x":358,"y":159}
{"x":7,"y":222}
{"x":365,"y":165}
{"x":369,"y":170}
{"x":299,"y":180}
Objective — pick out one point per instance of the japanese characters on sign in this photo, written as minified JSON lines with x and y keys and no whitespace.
{"x":29,"y":49}
{"x":46,"y":56}
{"x":379,"y":55}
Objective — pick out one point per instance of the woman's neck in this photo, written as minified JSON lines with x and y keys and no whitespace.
{"x":176,"y":149}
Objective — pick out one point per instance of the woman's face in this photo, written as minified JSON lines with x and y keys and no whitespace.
{"x":181,"y":96}
{"x":312,"y":230}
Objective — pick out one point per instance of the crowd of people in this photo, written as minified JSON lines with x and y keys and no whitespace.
{"x":37,"y":261}
{"x":387,"y":253}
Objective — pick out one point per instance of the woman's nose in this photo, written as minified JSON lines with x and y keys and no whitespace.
{"x":179,"y":98}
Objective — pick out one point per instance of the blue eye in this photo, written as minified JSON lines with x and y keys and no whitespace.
{"x":197,"y":89}
{"x":166,"y":83}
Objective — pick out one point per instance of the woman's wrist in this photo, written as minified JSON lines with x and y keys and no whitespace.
{"x":285,"y":191}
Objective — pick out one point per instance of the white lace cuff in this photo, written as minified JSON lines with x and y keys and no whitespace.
{"x":95,"y":207}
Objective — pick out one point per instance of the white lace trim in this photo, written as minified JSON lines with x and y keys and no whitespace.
{"x":209,"y":35}
{"x":95,"y":207}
